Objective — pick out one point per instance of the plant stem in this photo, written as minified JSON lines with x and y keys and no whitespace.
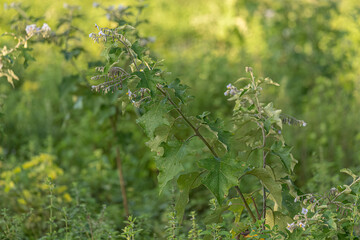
{"x":339,"y":194}
{"x":196,"y":131}
{"x":119,"y":166}
{"x":261,"y":126}
{"x":245,"y":203}
{"x":257,"y":211}
{"x":122,"y":182}
{"x":198,"y":134}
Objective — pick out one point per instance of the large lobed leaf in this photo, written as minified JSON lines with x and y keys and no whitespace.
{"x":222,"y":175}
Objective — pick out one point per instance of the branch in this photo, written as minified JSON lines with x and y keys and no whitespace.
{"x":245,"y":203}
{"x":196,"y":130}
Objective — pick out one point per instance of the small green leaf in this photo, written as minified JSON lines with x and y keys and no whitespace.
{"x":138,"y":49}
{"x":217,"y":127}
{"x":283,"y":152}
{"x":179,"y":89}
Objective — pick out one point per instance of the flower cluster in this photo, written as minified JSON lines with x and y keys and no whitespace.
{"x":111,"y":81}
{"x":102,"y":34}
{"x":302,"y":219}
{"x":291,"y":227}
{"x":32,"y":29}
{"x":138,"y":96}
{"x":231,"y":90}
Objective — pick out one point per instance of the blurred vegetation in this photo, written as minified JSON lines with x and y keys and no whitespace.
{"x":52,"y":125}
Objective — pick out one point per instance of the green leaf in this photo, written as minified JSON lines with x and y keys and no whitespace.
{"x":222,"y":175}
{"x":217,"y":127}
{"x":148,"y":79}
{"x":349,"y":172}
{"x":170,"y":165}
{"x":186,"y":182}
{"x":138,"y":49}
{"x":215,"y":217}
{"x":273,"y":114}
{"x":267,"y":178}
{"x":179,"y":89}
{"x":154,"y":118}
{"x":277,"y":218}
{"x":283,"y":152}
{"x":161,"y":136}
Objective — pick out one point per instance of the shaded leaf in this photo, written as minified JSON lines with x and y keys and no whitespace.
{"x":179,"y":89}
{"x":170,"y":164}
{"x":186,"y":182}
{"x":349,"y":172}
{"x":267,"y":178}
{"x":283,"y":152}
{"x":215,"y":217}
{"x":217,"y":127}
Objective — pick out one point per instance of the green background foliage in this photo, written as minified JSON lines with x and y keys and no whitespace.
{"x":52,"y":125}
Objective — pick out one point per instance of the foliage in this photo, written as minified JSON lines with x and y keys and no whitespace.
{"x":90,"y":145}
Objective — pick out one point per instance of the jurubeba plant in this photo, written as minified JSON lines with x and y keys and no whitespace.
{"x":201,"y":150}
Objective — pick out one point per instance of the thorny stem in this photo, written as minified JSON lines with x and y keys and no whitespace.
{"x":245,"y":203}
{"x":196,"y":131}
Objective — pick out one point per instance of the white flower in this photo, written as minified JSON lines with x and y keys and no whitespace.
{"x":226,"y":93}
{"x":91,"y":35}
{"x":30,"y":29}
{"x":304,"y":211}
{"x":304,"y":124}
{"x":290,"y":227}
{"x":233,"y":91}
{"x":45,"y":28}
{"x":101,"y":33}
{"x":129,"y":93}
{"x":229,"y":86}
{"x":121,"y":7}
{"x":97,"y":26}
{"x":230,"y":203}
{"x":302,"y":225}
